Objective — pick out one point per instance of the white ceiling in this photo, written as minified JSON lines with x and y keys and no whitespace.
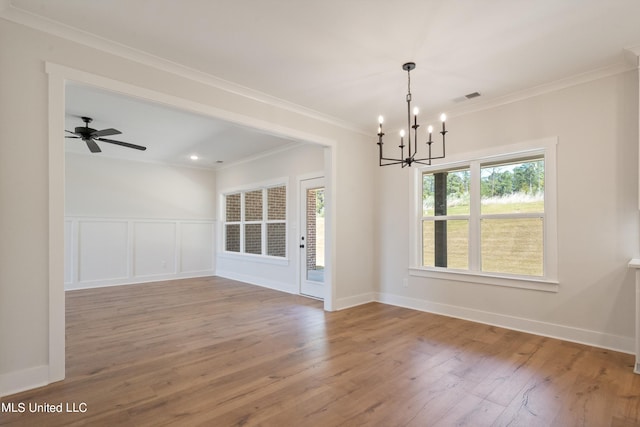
{"x":170,"y":135}
{"x":343,"y":58}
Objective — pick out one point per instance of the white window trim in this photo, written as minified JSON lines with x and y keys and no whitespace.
{"x":549,"y":282}
{"x":242,"y":190}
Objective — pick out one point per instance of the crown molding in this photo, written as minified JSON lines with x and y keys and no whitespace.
{"x":578,"y":79}
{"x":55,"y":28}
{"x":630,"y":59}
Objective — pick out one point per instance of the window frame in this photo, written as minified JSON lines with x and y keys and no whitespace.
{"x":517,"y":152}
{"x":262,"y":257}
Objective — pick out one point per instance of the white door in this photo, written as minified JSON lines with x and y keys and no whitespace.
{"x":312,"y":237}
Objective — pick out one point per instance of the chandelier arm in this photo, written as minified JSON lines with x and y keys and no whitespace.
{"x":444,"y":132}
{"x":428,"y":159}
{"x":421,"y":162}
{"x":397,"y":162}
{"x":388,"y":159}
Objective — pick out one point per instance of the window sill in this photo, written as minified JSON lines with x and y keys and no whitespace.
{"x":254,"y":258}
{"x":486,"y":279}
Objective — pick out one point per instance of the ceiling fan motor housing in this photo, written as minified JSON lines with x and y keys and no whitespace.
{"x":84,"y":131}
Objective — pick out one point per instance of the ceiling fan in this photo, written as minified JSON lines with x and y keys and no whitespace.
{"x":90,"y":136}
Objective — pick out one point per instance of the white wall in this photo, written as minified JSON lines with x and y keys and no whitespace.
{"x":105,"y":187}
{"x":31,"y":288}
{"x":289,"y":165}
{"x":132,"y":222}
{"x":597,"y":128}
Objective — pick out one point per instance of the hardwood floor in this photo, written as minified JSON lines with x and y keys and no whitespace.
{"x":216,"y":352}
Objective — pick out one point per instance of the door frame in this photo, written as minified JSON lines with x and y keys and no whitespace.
{"x":302,"y":224}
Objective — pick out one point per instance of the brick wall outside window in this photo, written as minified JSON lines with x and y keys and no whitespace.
{"x":248,"y":220}
{"x":277,"y":203}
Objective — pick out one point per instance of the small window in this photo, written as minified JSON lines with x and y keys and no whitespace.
{"x":255,"y":222}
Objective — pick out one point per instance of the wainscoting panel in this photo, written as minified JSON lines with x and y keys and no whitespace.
{"x":102,"y":250}
{"x":107,"y":252}
{"x":154,"y":248}
{"x":196,"y":250}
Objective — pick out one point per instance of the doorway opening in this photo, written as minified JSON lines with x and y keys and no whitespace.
{"x":58,"y":78}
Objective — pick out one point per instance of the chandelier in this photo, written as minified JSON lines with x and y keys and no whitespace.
{"x":412,"y":147}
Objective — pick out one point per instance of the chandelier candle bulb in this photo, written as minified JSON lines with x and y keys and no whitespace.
{"x":430,"y":130}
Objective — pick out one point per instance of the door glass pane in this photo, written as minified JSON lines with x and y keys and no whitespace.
{"x":513,"y":245}
{"x":446,"y":244}
{"x":315,"y":234}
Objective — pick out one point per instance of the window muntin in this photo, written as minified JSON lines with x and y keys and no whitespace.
{"x":255,"y":221}
{"x":486,"y":217}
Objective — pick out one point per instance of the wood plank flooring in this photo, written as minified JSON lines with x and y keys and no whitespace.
{"x":216,"y":352}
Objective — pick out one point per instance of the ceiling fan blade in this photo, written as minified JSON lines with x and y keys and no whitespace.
{"x":76,"y":137}
{"x":105,"y":132}
{"x":70,"y":132}
{"x":124,"y":144}
{"x":93,"y":147}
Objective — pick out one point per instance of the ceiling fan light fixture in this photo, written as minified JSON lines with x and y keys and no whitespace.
{"x":90,"y":136}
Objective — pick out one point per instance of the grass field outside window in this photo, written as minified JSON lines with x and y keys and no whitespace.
{"x":499,"y":207}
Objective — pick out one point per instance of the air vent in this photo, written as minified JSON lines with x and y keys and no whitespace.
{"x":472,"y":95}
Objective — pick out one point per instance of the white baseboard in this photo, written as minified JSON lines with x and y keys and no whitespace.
{"x":566,"y":333}
{"x":15,"y":382}
{"x":259,"y":281}
{"x":355,"y":300}
{"x":136,"y":280}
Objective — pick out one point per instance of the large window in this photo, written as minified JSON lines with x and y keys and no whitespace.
{"x":255,"y":222}
{"x":493,"y":217}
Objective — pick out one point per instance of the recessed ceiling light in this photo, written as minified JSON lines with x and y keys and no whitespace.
{"x":194,"y":157}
